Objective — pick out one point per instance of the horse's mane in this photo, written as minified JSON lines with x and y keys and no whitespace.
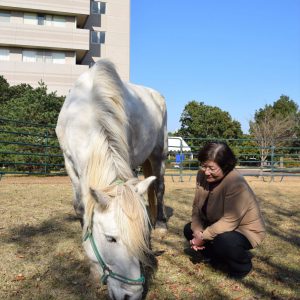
{"x":109,"y":159}
{"x":109,"y":154}
{"x":132,"y":218}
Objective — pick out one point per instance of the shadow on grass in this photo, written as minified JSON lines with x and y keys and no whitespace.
{"x":281,"y":214}
{"x":54,"y":274}
{"x":66,"y":276}
{"x":26,"y":235}
{"x":71,"y":277}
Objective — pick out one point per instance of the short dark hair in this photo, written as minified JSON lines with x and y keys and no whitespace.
{"x":220,"y":153}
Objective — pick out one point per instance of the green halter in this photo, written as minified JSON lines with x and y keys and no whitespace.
{"x":118,"y":181}
{"x":107,"y":272}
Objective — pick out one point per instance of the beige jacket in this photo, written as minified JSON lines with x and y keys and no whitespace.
{"x":231,"y":205}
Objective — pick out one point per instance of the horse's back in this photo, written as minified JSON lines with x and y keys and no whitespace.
{"x":147,"y":116}
{"x":145,"y":93}
{"x":145,"y":111}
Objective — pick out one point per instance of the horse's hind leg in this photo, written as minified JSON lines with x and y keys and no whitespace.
{"x":158,"y":170}
{"x":158,"y":167}
{"x":147,"y":171}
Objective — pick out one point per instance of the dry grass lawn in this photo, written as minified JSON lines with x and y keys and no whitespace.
{"x":42,"y":257}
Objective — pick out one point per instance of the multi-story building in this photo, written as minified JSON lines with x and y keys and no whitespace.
{"x":54,"y":41}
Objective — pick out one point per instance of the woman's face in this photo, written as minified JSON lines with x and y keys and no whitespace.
{"x":212,"y":171}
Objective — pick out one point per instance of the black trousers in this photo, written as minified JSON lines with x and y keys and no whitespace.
{"x":230,"y":248}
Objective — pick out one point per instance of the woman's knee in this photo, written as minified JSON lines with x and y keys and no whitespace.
{"x":224,"y":240}
{"x":188,"y":232}
{"x":231,"y":245}
{"x":232,"y":239}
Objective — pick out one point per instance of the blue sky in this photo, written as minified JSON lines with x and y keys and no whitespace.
{"x":238,"y":55}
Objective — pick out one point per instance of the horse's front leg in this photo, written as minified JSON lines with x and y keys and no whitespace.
{"x":77,"y":195}
{"x":78,"y":206}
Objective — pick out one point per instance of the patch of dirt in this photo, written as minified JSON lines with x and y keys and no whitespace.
{"x":7,"y":179}
{"x":187,"y":181}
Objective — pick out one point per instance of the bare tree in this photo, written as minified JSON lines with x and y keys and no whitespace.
{"x":272,"y":130}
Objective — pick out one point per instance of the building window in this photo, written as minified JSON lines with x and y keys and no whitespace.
{"x":29,"y":56}
{"x":59,"y":21}
{"x":39,"y":56}
{"x":4,"y":54}
{"x":44,"y":57}
{"x":48,"y":20}
{"x":97,"y":37}
{"x":98,"y":7}
{"x":59,"y":58}
{"x":4,"y":16}
{"x":41,"y":19}
{"x":44,"y":20}
{"x":30,"y":18}
{"x":47,"y":57}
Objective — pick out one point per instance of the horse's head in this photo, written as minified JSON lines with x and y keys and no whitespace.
{"x":116,"y":236}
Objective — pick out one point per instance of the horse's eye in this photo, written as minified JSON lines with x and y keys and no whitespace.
{"x":111,"y":239}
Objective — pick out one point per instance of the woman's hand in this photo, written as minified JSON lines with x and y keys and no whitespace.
{"x":197,"y":243}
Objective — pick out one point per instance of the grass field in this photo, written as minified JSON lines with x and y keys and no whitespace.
{"x":42,"y":257}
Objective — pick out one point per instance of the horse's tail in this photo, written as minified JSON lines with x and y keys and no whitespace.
{"x":110,"y":151}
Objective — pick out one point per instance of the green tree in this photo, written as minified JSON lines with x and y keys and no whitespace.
{"x":283,"y":107}
{"x":25,"y":116}
{"x":4,"y":90}
{"x":32,"y":105}
{"x":204,"y":121}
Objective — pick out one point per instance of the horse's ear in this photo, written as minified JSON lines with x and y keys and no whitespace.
{"x":143,"y":185}
{"x":99,"y":198}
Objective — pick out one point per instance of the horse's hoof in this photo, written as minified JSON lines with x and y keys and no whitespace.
{"x":161,"y":225}
{"x":159,"y":233}
{"x":160,"y":230}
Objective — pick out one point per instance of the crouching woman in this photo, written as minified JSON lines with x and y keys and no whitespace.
{"x":226,"y":219}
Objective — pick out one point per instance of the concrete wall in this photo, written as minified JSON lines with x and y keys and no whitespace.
{"x":44,"y":37}
{"x":73,"y":39}
{"x":81,"y":7}
{"x":58,"y":77}
{"x":116,"y":25}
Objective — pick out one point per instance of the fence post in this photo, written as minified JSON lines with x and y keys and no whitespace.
{"x":261,"y":162}
{"x":46,"y":152}
{"x":272,"y":162}
{"x":181,"y":162}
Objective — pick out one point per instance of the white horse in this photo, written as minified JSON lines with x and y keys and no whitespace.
{"x":106,"y":128}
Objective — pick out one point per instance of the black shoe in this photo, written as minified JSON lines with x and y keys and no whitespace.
{"x":196,"y":256}
{"x":238,"y":276}
{"x":189,"y":251}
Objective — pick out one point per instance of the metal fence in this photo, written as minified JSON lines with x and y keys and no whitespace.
{"x":253,"y":159}
{"x":29,"y":148}
{"x":33,"y":149}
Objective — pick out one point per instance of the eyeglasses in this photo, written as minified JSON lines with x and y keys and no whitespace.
{"x":211,"y":170}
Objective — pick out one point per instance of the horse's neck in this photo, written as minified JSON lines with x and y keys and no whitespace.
{"x":107,"y":163}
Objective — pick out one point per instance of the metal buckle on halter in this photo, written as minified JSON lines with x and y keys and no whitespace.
{"x":118,"y":181}
{"x":106,"y":273}
{"x":87,"y":234}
